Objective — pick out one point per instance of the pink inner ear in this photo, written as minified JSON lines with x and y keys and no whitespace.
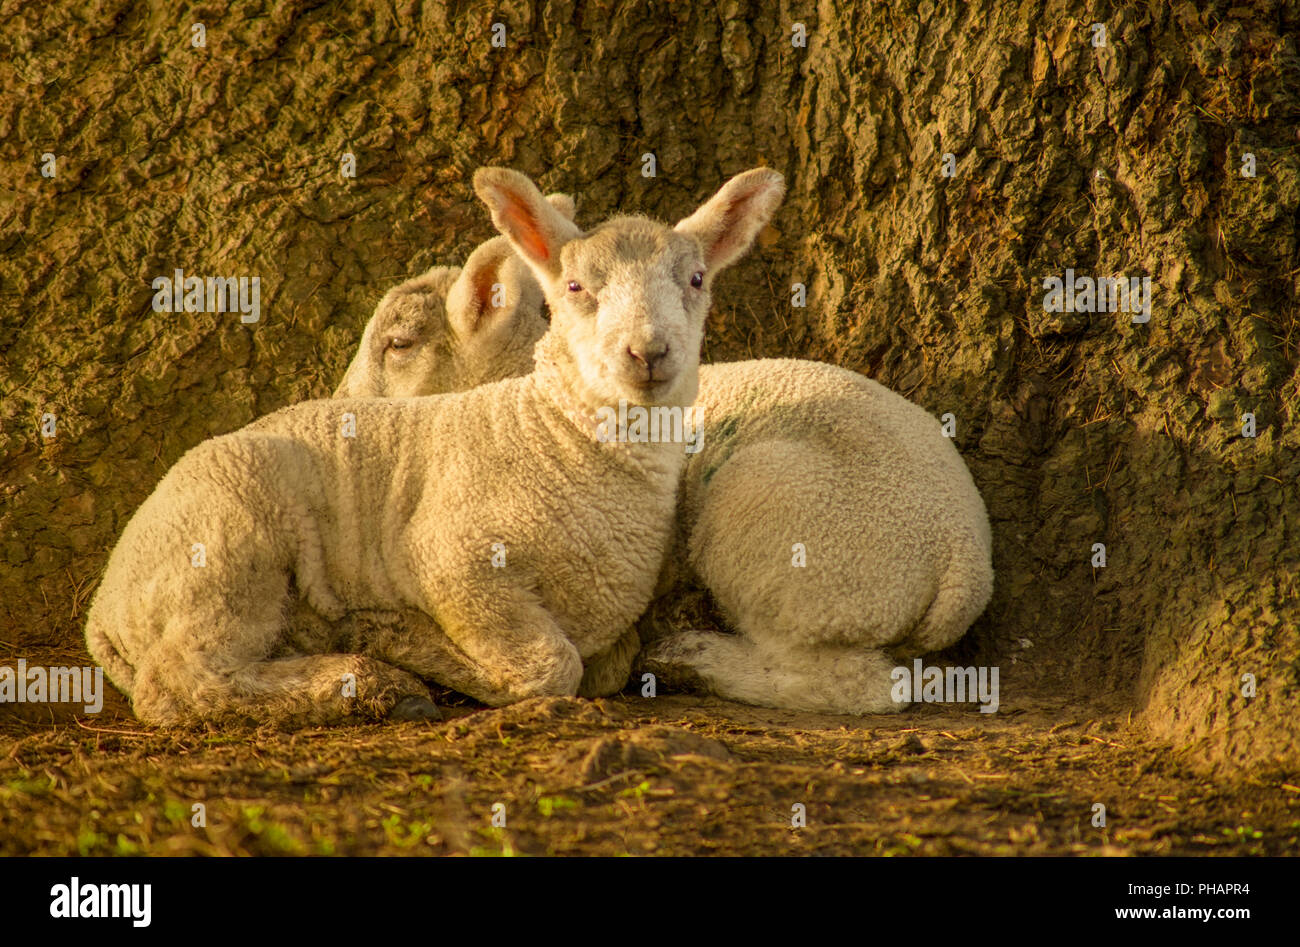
{"x":523,"y":226}
{"x":483,"y":281}
{"x":722,"y":240}
{"x":725,"y":233}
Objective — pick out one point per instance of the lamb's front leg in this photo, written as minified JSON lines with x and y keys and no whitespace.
{"x":498,"y":645}
{"x":414,"y":641}
{"x":411,"y":640}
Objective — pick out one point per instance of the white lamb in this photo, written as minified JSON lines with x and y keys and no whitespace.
{"x":313,"y":566}
{"x":829,"y":518}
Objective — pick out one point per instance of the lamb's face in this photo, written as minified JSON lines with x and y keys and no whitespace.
{"x":451,"y":330}
{"x":406,"y":346}
{"x":630,"y":299}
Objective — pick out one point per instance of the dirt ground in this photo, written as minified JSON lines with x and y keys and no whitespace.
{"x":670,"y":775}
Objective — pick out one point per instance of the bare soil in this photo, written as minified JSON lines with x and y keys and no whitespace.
{"x":670,"y":775}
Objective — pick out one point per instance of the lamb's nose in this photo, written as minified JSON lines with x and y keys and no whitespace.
{"x":648,"y":355}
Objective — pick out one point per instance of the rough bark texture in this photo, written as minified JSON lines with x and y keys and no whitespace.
{"x":1079,"y":429}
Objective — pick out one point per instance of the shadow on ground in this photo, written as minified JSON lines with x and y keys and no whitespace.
{"x":670,"y":775}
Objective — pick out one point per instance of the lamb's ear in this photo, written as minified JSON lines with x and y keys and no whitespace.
{"x":563,"y":203}
{"x":728,"y":222}
{"x":488,"y":286}
{"x":534,"y":227}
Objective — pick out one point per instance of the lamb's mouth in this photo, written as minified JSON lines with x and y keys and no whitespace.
{"x":650,"y":386}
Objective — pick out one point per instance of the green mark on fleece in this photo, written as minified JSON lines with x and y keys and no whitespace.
{"x":720,"y":439}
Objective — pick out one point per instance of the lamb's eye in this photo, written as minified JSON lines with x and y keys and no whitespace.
{"x":574,"y":287}
{"x":697,"y":280}
{"x":399,"y":343}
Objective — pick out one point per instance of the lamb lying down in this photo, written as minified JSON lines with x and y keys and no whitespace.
{"x":274,"y":571}
{"x":829,"y":518}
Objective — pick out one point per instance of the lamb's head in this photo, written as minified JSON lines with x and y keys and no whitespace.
{"x":453,"y":328}
{"x":628,"y":298}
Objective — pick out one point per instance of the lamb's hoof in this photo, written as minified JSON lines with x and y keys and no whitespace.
{"x":670,"y":669}
{"x":415,"y":708}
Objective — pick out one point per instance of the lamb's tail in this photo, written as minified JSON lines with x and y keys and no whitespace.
{"x":105,"y":653}
{"x":832,"y":680}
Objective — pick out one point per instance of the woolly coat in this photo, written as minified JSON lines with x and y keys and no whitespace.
{"x":824,"y":508}
{"x":489,"y":511}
